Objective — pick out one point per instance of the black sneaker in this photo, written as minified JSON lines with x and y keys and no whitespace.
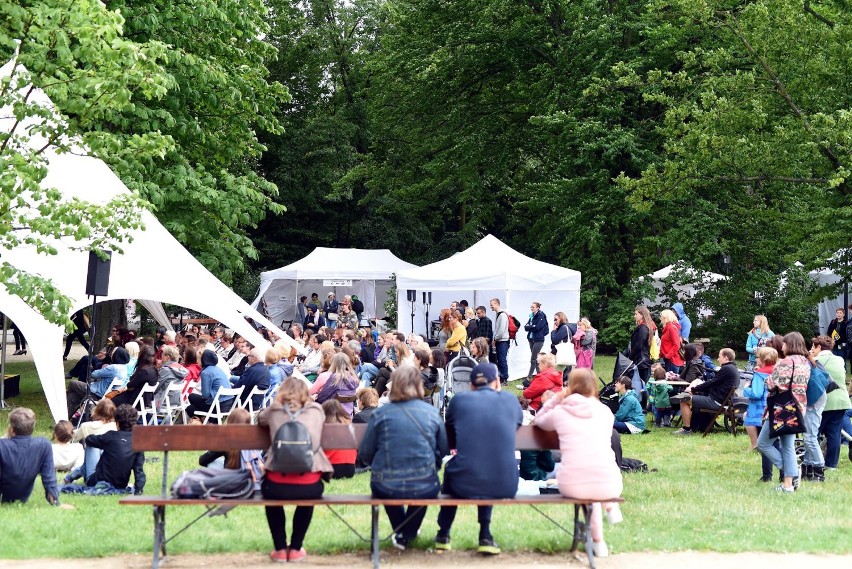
{"x":399,"y":542}
{"x":442,"y":543}
{"x":488,"y":547}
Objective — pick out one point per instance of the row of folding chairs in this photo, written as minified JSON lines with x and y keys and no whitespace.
{"x":165,"y":412}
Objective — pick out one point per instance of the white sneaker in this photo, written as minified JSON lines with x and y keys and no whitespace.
{"x":600,"y":549}
{"x":614,"y":514}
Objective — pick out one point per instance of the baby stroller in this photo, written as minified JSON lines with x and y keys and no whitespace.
{"x":457,"y":377}
{"x":608,"y":395}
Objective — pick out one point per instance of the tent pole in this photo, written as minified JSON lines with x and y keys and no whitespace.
{"x":3,"y":366}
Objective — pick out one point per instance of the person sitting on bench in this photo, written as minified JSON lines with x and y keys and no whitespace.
{"x":709,"y":395}
{"x":481,"y":426}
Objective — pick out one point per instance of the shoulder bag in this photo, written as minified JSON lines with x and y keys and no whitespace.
{"x":785,"y":415}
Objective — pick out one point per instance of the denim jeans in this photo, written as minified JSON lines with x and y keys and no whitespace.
{"x":368,"y":373}
{"x":846,"y":424}
{"x":502,"y":359}
{"x":406,"y":520}
{"x":784,"y":459}
{"x":813,"y":418}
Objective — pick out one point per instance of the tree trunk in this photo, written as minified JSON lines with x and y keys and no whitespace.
{"x":110,"y":313}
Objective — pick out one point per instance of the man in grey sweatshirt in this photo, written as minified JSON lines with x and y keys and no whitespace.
{"x":501,"y":340}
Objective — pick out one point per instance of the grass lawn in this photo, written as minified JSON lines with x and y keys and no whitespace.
{"x":704,"y":495}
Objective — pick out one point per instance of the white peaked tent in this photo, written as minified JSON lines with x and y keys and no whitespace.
{"x":684,"y":291}
{"x":490,"y":269}
{"x":363,"y":272}
{"x":154,"y":266}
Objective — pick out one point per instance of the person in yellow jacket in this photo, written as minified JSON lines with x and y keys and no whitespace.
{"x":458,"y":338}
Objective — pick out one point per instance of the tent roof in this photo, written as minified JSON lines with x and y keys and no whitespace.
{"x":154,"y":266}
{"x":666,"y":271}
{"x":489,"y":264}
{"x":327,"y":263}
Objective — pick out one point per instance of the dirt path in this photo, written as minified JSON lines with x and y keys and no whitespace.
{"x":424,"y":560}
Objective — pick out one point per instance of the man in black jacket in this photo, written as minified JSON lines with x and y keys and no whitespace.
{"x":709,"y":395}
{"x":838,"y":331}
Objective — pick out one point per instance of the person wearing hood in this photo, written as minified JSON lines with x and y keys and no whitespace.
{"x":629,"y":418}
{"x":683,"y":320}
{"x":314,"y":320}
{"x":101,"y":380}
{"x":670,"y":342}
{"x":170,"y":372}
{"x":212,"y":378}
{"x":584,"y":426}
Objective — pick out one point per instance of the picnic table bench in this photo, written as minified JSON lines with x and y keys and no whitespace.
{"x":168,"y":438}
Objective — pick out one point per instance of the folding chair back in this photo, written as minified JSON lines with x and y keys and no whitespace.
{"x":216,"y":411}
{"x":148,"y":413}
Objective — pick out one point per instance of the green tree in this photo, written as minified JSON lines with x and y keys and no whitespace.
{"x":75,"y":51}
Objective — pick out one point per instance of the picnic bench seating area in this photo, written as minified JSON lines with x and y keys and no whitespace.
{"x":166,"y":438}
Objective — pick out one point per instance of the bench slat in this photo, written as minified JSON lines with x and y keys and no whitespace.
{"x":358,"y":500}
{"x":334,"y":437}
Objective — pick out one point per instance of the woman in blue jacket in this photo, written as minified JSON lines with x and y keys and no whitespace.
{"x":404,"y":445}
{"x":629,"y":418}
{"x":212,"y":378}
{"x":536,"y":329}
{"x":758,"y":337}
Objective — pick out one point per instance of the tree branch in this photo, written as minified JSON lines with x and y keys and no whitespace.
{"x":824,"y":148}
{"x":787,"y":179}
{"x":820,"y":17}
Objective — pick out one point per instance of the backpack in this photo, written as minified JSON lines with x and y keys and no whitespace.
{"x":633,"y":465}
{"x":292,"y":448}
{"x":514,"y":325}
{"x":818,"y":383}
{"x":220,"y":483}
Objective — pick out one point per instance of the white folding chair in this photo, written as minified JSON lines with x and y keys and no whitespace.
{"x":115,"y":384}
{"x":144,"y":410}
{"x":248,"y":404}
{"x":270,"y":396}
{"x":169,"y":411}
{"x":215,"y":411}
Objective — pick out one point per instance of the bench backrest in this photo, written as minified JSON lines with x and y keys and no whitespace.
{"x":334,"y":437}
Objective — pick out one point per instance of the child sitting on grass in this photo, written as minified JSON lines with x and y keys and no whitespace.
{"x":66,"y":455}
{"x":119,"y":459}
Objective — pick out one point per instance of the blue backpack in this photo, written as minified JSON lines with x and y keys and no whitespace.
{"x":818,"y":383}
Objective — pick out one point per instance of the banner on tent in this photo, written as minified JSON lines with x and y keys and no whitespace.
{"x":337,"y":282}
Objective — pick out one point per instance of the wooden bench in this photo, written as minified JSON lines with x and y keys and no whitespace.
{"x":220,"y":438}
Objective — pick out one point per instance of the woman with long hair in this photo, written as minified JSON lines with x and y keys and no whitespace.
{"x":293,"y":403}
{"x":640,"y":343}
{"x":458,"y":336}
{"x":758,"y":337}
{"x":670,"y":342}
{"x":446,"y":330}
{"x":791,"y":373}
{"x":479,"y":350}
{"x":340,"y":379}
{"x":343,"y":460}
{"x":584,"y":426}
{"x":587,"y":345}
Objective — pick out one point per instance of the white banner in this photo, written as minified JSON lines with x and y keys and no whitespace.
{"x":337,"y":282}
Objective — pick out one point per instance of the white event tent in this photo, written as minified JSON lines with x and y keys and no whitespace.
{"x":362,"y":272}
{"x":154,"y":266}
{"x":490,"y":269}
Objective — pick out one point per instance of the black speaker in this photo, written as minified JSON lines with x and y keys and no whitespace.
{"x":97,"y":282}
{"x":412,"y":295}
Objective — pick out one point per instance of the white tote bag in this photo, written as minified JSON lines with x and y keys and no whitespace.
{"x":565,"y":356}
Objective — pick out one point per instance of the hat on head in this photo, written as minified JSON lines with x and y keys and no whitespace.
{"x":483,"y":374}
{"x":331,"y":294}
{"x":312,"y":306}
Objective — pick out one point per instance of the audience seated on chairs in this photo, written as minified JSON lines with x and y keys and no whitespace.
{"x":101,"y":380}
{"x":22,"y":458}
{"x":255,"y":375}
{"x":709,"y":395}
{"x":171,"y":371}
{"x":342,"y":460}
{"x":629,"y":418}
{"x":212,"y":378}
{"x":310,"y":367}
{"x":339,"y":380}
{"x":145,"y":374}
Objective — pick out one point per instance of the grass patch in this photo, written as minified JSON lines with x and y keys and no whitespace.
{"x":703,"y":496}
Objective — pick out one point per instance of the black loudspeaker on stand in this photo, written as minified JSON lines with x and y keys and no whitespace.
{"x":412,"y":299}
{"x":97,"y":284}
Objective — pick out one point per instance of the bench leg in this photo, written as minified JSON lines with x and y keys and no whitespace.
{"x":159,"y":534}
{"x":375,"y":535}
{"x":582,"y":531}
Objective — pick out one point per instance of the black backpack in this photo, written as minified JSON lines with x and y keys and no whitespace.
{"x":633,"y":465}
{"x":292,"y":448}
{"x":221,"y":483}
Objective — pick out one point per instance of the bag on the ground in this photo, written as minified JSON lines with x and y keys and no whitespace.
{"x":220,"y":483}
{"x":633,"y":465}
{"x":292,"y":448}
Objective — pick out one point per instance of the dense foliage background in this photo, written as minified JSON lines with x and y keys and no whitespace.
{"x":611,"y":136}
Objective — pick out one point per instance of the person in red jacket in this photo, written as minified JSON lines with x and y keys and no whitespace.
{"x":670,"y":342}
{"x":547,"y":379}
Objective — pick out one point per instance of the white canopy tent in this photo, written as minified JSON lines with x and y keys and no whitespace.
{"x":828,"y":306}
{"x":154,"y":266}
{"x":362,"y":272}
{"x":684,"y":291}
{"x":490,"y":269}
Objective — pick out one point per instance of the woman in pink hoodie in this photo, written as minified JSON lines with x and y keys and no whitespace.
{"x":589,"y":470}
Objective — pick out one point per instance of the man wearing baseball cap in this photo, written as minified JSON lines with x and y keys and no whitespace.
{"x":481,"y":426}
